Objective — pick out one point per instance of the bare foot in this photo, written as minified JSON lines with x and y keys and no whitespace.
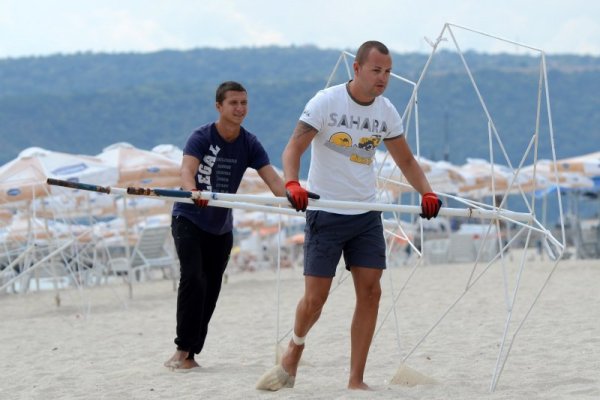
{"x":176,"y":359}
{"x":358,"y":386}
{"x":188,"y":364}
{"x":282,"y":375}
{"x":291,"y":358}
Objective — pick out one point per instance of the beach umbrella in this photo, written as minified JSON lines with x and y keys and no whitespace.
{"x":480,"y":173}
{"x":443,"y":176}
{"x":170,"y":151}
{"x":72,"y":167}
{"x":23,"y":184}
{"x":563,"y":177}
{"x":483,"y":179}
{"x":446,"y":177}
{"x":24,"y":178}
{"x":137,"y":167}
{"x":587,"y":164}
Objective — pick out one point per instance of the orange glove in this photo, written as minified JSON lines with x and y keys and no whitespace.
{"x":430,"y":205}
{"x":197,"y":200}
{"x":298,"y":196}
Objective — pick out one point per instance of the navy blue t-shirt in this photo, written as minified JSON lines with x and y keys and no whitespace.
{"x":222,"y":166}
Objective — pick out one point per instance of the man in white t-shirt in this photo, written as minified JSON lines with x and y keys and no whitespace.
{"x":344,"y":124}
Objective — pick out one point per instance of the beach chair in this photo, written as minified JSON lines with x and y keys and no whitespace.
{"x":153,"y":252}
{"x":588,"y":238}
{"x":437,"y":251}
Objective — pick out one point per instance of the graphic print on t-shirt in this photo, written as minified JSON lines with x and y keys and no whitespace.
{"x":361,"y":152}
{"x":223,"y":174}
{"x":222,"y":171}
{"x":205,"y":168}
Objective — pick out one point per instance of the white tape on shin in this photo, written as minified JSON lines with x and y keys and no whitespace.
{"x":298,"y":341}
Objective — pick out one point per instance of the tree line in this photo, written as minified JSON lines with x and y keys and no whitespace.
{"x":81,"y":103}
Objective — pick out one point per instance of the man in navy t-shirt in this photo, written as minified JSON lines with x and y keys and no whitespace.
{"x":215,"y":158}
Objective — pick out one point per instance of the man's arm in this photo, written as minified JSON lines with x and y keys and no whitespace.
{"x":273,"y":180}
{"x":404,"y":159}
{"x":297,"y":145}
{"x":189,"y":169}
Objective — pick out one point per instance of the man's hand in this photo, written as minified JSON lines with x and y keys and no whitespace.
{"x":197,"y":200}
{"x":298,"y":196}
{"x":430,"y":205}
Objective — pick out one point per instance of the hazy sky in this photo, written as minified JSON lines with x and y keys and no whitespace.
{"x":42,"y":27}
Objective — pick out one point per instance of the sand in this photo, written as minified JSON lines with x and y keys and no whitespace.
{"x":99,"y":344}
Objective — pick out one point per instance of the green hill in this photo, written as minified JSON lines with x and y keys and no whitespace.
{"x":84,"y":102}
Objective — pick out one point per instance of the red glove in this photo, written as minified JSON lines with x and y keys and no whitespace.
{"x":298,"y":196}
{"x":430,"y":205}
{"x":197,"y":200}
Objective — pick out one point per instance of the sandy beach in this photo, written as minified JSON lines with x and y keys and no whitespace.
{"x":99,"y":344}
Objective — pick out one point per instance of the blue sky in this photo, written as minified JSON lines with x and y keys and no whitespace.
{"x":39,"y":27}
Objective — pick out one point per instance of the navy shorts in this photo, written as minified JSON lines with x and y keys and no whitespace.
{"x":327,"y":236}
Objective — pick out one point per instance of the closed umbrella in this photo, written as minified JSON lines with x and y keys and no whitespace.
{"x":139,"y":167}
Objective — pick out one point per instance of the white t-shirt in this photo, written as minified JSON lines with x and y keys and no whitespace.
{"x":342,"y":152}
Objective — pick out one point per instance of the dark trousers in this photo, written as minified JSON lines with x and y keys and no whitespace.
{"x":202,"y":258}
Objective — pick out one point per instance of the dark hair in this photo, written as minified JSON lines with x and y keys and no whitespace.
{"x":365,"y":49}
{"x":227,"y":86}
